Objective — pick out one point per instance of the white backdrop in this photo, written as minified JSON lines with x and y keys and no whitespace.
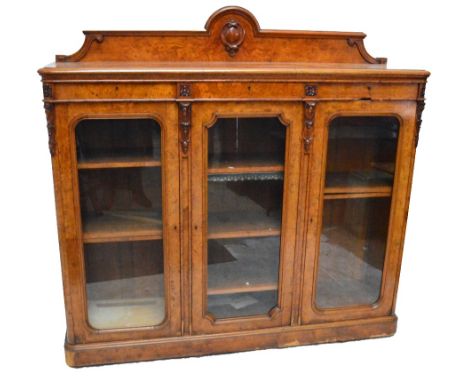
{"x":432,"y":303}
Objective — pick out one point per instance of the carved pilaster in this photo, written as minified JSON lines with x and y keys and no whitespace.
{"x":185,"y":123}
{"x":309,"y":118}
{"x":50,"y":115}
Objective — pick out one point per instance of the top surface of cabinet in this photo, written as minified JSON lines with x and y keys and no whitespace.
{"x":232,"y":46}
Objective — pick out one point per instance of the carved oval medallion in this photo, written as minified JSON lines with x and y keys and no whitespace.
{"x":232,"y":37}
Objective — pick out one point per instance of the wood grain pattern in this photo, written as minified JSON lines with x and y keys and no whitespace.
{"x":236,"y":26}
{"x":103,"y":71}
{"x":122,"y":162}
{"x":282,"y":337}
{"x":186,"y":81}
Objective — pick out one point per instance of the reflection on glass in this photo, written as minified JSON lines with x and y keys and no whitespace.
{"x":361,"y":153}
{"x":245,"y":191}
{"x":358,"y":188}
{"x":243,"y":275}
{"x":117,"y":139}
{"x":118,"y":202}
{"x":124,"y":284}
{"x":121,"y":211}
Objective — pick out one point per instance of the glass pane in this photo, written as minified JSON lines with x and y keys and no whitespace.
{"x":245,"y":192}
{"x":117,"y":139}
{"x":358,"y":188}
{"x":361,"y":153}
{"x":243,"y":275}
{"x":124,"y":284}
{"x":121,"y":211}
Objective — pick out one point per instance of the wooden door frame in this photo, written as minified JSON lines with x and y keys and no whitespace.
{"x":405,"y":112}
{"x":70,"y":231}
{"x":204,"y":115}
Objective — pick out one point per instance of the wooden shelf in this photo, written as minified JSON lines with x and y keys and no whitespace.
{"x":118,"y":162}
{"x":132,"y":226}
{"x":243,"y":289}
{"x":114,"y":228}
{"x":253,"y":269}
{"x":364,"y":193}
{"x":358,"y":184}
{"x":239,"y":166}
{"x":122,"y":226}
{"x":238,"y":224}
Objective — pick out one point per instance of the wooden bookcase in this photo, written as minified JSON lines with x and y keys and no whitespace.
{"x":228,"y":190}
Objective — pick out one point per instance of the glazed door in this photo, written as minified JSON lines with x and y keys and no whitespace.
{"x":245,"y":161}
{"x":124,"y":164}
{"x":358,"y":198}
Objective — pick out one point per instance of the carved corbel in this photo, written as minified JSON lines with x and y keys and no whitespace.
{"x":419,"y":110}
{"x":49,"y":110}
{"x":50,"y":116}
{"x":47,"y":91}
{"x":309,"y":119}
{"x":184,"y":90}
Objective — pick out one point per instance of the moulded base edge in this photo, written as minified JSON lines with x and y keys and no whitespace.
{"x":198,"y":345}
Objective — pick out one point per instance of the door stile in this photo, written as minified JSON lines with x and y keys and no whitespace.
{"x":185,"y":145}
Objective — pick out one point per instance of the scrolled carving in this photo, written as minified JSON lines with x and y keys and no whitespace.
{"x":77,"y":56}
{"x":49,"y":110}
{"x":232,"y":37}
{"x":309,"y":119}
{"x":352,"y":42}
{"x":185,"y":123}
{"x":359,"y":44}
